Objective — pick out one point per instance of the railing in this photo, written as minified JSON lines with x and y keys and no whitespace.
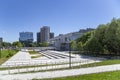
{"x":45,"y":65}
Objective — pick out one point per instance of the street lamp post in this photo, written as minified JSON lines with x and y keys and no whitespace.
{"x":69,"y":55}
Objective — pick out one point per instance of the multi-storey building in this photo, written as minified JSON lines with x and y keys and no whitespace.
{"x":1,"y":39}
{"x":51,"y":35}
{"x":38,"y":37}
{"x":44,"y":35}
{"x":62,"y":41}
{"x":26,"y":38}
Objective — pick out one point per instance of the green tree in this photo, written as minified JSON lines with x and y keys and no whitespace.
{"x":100,"y":33}
{"x":40,"y":45}
{"x":45,"y":44}
{"x":17,"y":44}
{"x":85,"y":37}
{"x":112,"y":37}
{"x":6,"y":44}
{"x":73,"y":45}
{"x":80,"y":47}
{"x":33,"y":44}
{"x":93,"y":46}
{"x":0,"y":49}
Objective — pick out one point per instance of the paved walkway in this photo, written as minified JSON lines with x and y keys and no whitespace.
{"x":63,"y":73}
{"x":52,"y":67}
{"x":22,"y":58}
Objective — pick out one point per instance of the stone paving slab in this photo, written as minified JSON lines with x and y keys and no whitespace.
{"x":19,"y":57}
{"x":62,"y":73}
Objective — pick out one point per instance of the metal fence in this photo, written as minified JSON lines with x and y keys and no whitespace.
{"x":25,"y":66}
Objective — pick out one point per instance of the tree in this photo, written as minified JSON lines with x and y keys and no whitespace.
{"x":73,"y":45}
{"x":80,"y":46}
{"x":45,"y":44}
{"x":105,"y":39}
{"x":33,"y":44}
{"x":17,"y":44}
{"x":93,"y":46}
{"x":0,"y":49}
{"x":112,"y":37}
{"x":6,"y":44}
{"x":85,"y":37}
{"x":100,"y":33}
{"x":40,"y":44}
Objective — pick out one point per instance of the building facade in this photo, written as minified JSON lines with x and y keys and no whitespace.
{"x":62,"y":41}
{"x":38,"y":38}
{"x":1,"y":39}
{"x":26,"y":38}
{"x":44,"y":35}
{"x":51,"y":35}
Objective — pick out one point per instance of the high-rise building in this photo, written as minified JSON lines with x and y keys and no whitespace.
{"x":51,"y":35}
{"x":26,"y":38}
{"x":45,"y":33}
{"x":38,"y":38}
{"x":1,"y":39}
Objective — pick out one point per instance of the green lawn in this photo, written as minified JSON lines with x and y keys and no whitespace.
{"x":37,"y":54}
{"x":115,"y":75}
{"x":33,"y":52}
{"x":107,"y":62}
{"x":6,"y":54}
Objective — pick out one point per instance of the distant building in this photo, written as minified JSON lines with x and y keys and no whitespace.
{"x":86,"y":30}
{"x":38,"y":37}
{"x":26,"y":38}
{"x":1,"y":39}
{"x":44,"y":35}
{"x":62,"y":41}
{"x":51,"y":35}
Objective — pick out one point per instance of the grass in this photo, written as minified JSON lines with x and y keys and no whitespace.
{"x":108,"y":62}
{"x":33,"y":52}
{"x":2,"y":60}
{"x":6,"y":54}
{"x":114,"y":75}
{"x":36,"y":54}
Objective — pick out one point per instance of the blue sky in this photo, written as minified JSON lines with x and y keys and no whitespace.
{"x":63,"y":16}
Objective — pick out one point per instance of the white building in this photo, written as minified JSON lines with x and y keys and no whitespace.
{"x":61,"y":42}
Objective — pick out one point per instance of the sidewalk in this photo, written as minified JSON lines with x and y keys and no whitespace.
{"x":63,"y":73}
{"x":52,"y":67}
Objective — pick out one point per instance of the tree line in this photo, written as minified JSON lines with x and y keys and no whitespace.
{"x":103,"y":40}
{"x":18,"y":44}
